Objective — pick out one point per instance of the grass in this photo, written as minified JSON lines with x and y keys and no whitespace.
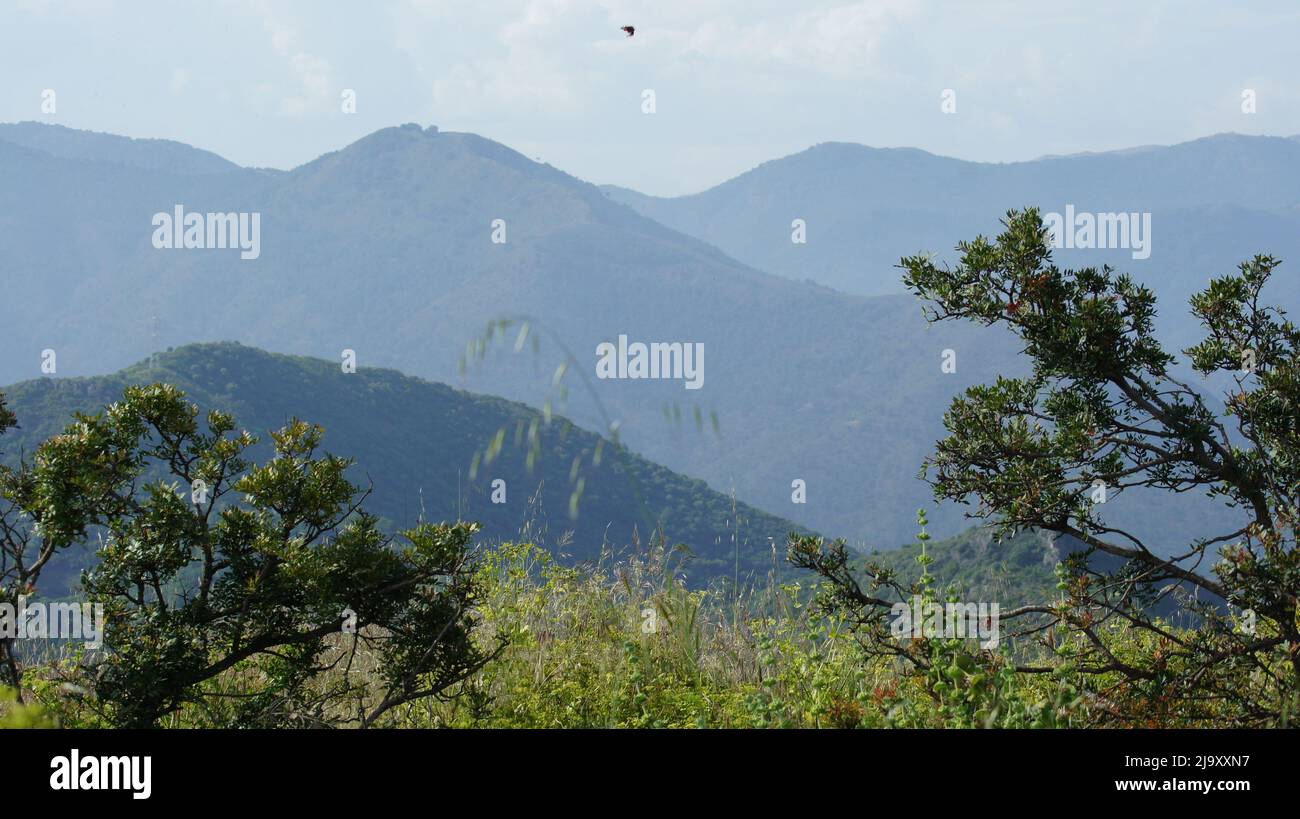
{"x":628,"y":644}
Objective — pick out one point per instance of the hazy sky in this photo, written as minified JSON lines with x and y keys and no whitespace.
{"x":736,"y":83}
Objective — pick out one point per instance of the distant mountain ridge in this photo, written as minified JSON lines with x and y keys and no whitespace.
{"x":150,"y":154}
{"x":867,"y":207}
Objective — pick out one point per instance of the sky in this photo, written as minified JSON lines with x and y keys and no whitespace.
{"x":262,"y":82}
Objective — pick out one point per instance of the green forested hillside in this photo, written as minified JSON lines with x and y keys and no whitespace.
{"x":416,"y":441}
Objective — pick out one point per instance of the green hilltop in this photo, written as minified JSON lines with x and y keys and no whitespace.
{"x":416,"y":441}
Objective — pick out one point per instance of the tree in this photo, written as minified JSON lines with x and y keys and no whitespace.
{"x":1104,"y":411}
{"x":210,"y":565}
{"x":13,"y":575}
{"x":7,"y":418}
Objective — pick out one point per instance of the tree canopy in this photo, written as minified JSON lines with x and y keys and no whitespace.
{"x":208,"y":563}
{"x":1104,"y":413}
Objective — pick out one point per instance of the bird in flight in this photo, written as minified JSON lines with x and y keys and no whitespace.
{"x":629,"y":29}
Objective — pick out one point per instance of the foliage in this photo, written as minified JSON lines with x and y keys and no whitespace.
{"x":1102,"y":414}
{"x":224,"y":565}
{"x":17,"y":714}
{"x":7,"y":418}
{"x":630,"y":646}
{"x":581,"y":651}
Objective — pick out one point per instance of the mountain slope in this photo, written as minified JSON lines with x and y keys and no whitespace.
{"x":415,"y":440}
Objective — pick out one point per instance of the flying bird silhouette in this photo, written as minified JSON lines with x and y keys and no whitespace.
{"x":629,"y":29}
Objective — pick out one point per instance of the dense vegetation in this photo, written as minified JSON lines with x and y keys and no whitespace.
{"x":227,"y":613}
{"x":627,"y":645}
{"x":222,"y":565}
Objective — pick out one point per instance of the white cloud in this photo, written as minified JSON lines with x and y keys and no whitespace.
{"x":839,"y":41}
{"x":311,"y":74}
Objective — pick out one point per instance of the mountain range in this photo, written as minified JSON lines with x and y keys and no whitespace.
{"x":1213,"y":203}
{"x":403,"y":246}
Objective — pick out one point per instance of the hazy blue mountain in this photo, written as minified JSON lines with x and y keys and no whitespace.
{"x":385,"y":248}
{"x":1213,"y":202}
{"x":415,"y":441}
